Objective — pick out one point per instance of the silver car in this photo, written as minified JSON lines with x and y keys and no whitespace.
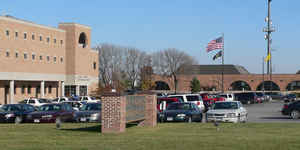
{"x":228,"y":111}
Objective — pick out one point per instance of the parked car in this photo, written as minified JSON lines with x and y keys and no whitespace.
{"x":246,"y":97}
{"x":50,"y":113}
{"x":90,"y":112}
{"x":163,"y":102}
{"x":35,"y":102}
{"x":60,"y":99}
{"x":15,"y":113}
{"x":232,"y":111}
{"x":88,"y":99}
{"x":274,"y":95}
{"x":186,"y":112}
{"x":291,"y":109}
{"x":289,"y":98}
{"x":260,"y":97}
{"x":193,"y":98}
{"x":227,"y":96}
{"x":74,"y":104}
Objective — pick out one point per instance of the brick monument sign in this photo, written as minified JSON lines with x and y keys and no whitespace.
{"x":117,"y":110}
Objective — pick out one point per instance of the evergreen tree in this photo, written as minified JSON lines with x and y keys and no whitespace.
{"x":195,"y":85}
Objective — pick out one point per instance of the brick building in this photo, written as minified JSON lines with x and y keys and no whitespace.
{"x":43,"y":61}
{"x":236,"y":78}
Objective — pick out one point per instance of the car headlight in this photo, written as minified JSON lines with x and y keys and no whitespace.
{"x":231,"y":115}
{"x":9,"y":115}
{"x":47,"y":116}
{"x":181,"y":115}
{"x":95,"y":115}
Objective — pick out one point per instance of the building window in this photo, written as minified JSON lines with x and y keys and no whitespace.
{"x":16,"y":34}
{"x":54,"y":40}
{"x":61,"y":42}
{"x":29,"y":90}
{"x":54,"y":58}
{"x":7,"y":32}
{"x":48,"y":39}
{"x":41,"y":38}
{"x":94,"y":65}
{"x":25,"y":36}
{"x":48,"y":58}
{"x":33,"y":37}
{"x":7,"y":53}
{"x":17,"y":54}
{"x":15,"y":90}
{"x":23,"y":90}
{"x":33,"y":56}
{"x":25,"y":56}
{"x":61,"y":59}
{"x":41,"y":57}
{"x":50,"y":89}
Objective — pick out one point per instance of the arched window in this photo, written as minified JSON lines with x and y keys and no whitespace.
{"x":160,"y":85}
{"x":82,"y":40}
{"x":268,"y":86}
{"x":240,"y":86}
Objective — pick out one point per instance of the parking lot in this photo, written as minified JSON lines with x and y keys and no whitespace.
{"x":267,"y":112}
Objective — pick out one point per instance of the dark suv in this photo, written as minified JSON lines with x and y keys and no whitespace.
{"x":246,"y":98}
{"x":291,"y":109}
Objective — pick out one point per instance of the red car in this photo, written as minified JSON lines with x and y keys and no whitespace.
{"x":50,"y":113}
{"x":211,"y":98}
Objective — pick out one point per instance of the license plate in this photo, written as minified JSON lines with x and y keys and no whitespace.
{"x":83,"y":119}
{"x":169,"y":119}
{"x":218,"y":118}
{"x":36,"y":121}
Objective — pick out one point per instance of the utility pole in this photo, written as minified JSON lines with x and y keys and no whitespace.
{"x":269,"y":29}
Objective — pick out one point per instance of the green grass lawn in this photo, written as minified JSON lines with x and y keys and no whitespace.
{"x":169,"y":136}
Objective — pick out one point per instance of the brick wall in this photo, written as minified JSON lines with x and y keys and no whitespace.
{"x":113,"y":114}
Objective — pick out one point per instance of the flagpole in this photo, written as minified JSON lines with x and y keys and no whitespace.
{"x":223,"y":64}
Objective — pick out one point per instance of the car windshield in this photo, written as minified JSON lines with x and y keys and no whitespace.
{"x":226,"y":105}
{"x":50,"y":108}
{"x":193,"y":98}
{"x":43,"y":101}
{"x":9,"y":108}
{"x":259,"y":94}
{"x":88,"y":107}
{"x":179,"y":106}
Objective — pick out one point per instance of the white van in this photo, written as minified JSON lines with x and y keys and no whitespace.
{"x":228,"y":96}
{"x":194,"y":98}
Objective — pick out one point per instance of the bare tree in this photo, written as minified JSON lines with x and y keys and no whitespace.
{"x":169,"y":61}
{"x":134,"y":61}
{"x":110,"y":63}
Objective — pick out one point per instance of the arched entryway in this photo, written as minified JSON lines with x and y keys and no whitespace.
{"x":268,"y":86}
{"x":293,"y":86}
{"x":161,"y":85}
{"x":240,"y":86}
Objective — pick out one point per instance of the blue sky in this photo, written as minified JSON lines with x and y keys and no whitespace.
{"x":184,"y":24}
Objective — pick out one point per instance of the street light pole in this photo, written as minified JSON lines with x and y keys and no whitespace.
{"x":269,"y":29}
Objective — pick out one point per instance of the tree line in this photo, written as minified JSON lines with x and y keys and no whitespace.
{"x":127,"y":68}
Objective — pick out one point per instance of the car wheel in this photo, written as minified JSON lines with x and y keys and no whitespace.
{"x":295,"y":114}
{"x":18,"y":120}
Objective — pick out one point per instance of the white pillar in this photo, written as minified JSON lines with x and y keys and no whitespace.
{"x":11,"y":91}
{"x":87,"y":89}
{"x":77,"y":90}
{"x":62,"y":88}
{"x":42,"y":92}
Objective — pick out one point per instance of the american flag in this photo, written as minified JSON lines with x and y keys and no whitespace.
{"x":215,"y":44}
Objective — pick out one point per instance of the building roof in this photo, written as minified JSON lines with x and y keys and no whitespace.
{"x":212,"y":69}
{"x":14,"y":19}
